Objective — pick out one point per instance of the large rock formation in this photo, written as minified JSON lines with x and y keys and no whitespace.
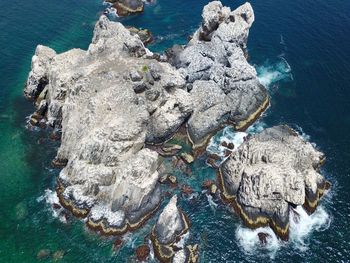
{"x":114,"y":98}
{"x":223,"y":86}
{"x":169,"y":236}
{"x":271,"y":173}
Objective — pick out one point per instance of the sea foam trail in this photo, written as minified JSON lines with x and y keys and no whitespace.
{"x":227,"y":135}
{"x":301,"y":226}
{"x":269,"y":74}
{"x":51,"y":198}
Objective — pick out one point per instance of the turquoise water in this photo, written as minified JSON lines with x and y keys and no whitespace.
{"x":300,"y":49}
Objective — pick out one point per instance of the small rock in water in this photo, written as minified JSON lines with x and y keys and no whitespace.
{"x":163,"y":179}
{"x":224,"y":144}
{"x":142,"y":252}
{"x":172,"y":179}
{"x":263,"y":238}
{"x":58,"y":255}
{"x":188,"y":158}
{"x":56,"y":206}
{"x":213,"y":189}
{"x":186,"y":189}
{"x":21,"y":211}
{"x":43,"y":254}
{"x":117,"y":243}
{"x":231,"y":146}
{"x":207,"y":184}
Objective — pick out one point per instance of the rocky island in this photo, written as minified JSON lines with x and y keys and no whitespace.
{"x":111,"y":104}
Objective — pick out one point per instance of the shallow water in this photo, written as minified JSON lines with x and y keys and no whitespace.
{"x":301,"y":51}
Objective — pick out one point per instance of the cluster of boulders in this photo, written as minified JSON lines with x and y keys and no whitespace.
{"x":115,"y":105}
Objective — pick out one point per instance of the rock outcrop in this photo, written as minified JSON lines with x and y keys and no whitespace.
{"x":271,"y":173}
{"x":127,"y":7}
{"x":223,"y":86}
{"x":144,"y":34}
{"x":113,"y":99}
{"x":169,"y":236}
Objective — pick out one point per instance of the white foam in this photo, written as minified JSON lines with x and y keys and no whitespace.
{"x":113,"y":218}
{"x":249,"y":241}
{"x":269,"y":74}
{"x":212,"y":204}
{"x":302,"y":225}
{"x":51,"y":198}
{"x":228,"y":135}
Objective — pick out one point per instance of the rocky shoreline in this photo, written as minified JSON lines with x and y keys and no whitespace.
{"x":115,"y":106}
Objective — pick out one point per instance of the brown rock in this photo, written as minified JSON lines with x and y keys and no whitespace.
{"x":56,"y":206}
{"x":117,"y":243}
{"x":231,"y":146}
{"x":43,"y":254}
{"x":224,"y":144}
{"x":214,"y":156}
{"x":207,"y":184}
{"x":186,"y":189}
{"x":188,"y":158}
{"x":263,"y":238}
{"x":172,"y":179}
{"x":142,"y":252}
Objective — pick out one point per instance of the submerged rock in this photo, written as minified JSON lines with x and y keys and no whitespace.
{"x":127,"y":7}
{"x":269,"y":174}
{"x":142,"y":252}
{"x":169,"y":235}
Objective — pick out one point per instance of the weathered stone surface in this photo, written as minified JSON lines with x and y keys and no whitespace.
{"x":127,"y":7}
{"x":110,"y":177}
{"x":224,"y":87}
{"x":169,"y":235}
{"x":268,"y":174}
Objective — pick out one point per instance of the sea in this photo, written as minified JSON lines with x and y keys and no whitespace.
{"x":301,"y":51}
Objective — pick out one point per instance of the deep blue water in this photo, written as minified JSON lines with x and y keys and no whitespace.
{"x":311,"y":36}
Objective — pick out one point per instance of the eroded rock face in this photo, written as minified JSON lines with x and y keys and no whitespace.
{"x":169,"y":236}
{"x":127,"y":7}
{"x":269,"y":174}
{"x":224,"y":87}
{"x":112,"y":99}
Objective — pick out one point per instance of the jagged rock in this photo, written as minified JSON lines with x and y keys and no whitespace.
{"x":170,"y":233}
{"x":144,"y":34}
{"x":127,"y":7}
{"x":172,"y":179}
{"x":268,"y":174}
{"x":38,"y":79}
{"x":110,"y":177}
{"x":225,"y":87}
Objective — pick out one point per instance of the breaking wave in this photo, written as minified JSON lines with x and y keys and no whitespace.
{"x":301,"y":226}
{"x":51,"y":198}
{"x":270,"y":74}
